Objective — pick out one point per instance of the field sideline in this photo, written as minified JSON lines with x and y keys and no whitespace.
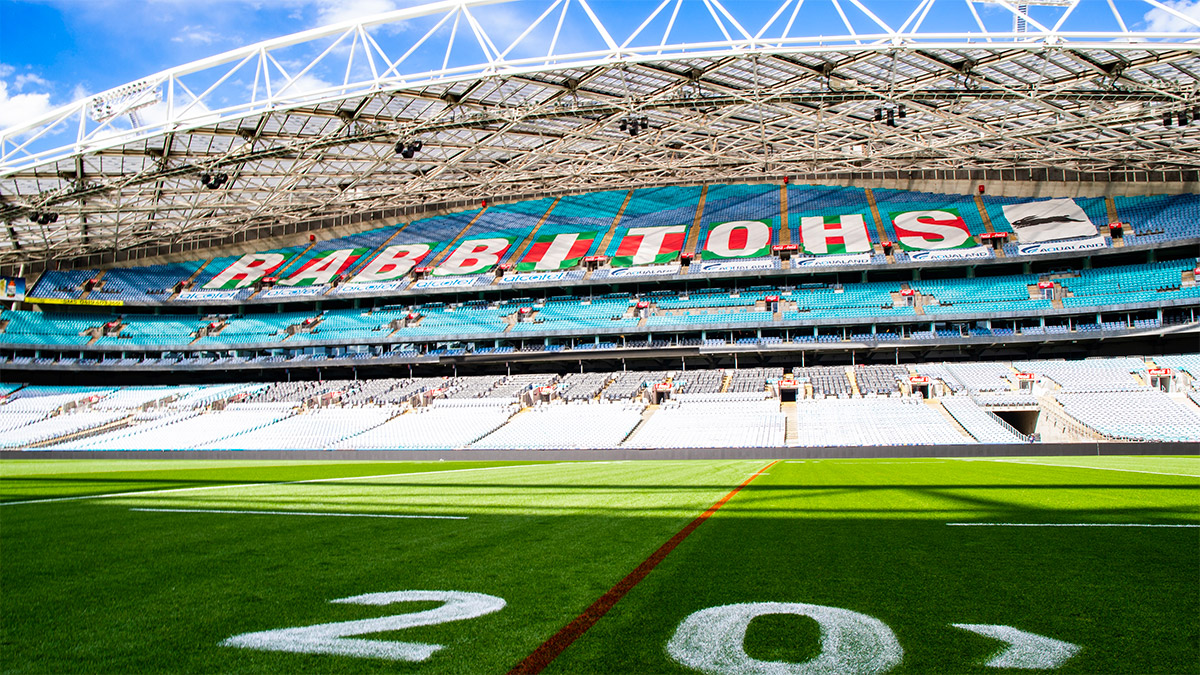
{"x":1080,"y":564}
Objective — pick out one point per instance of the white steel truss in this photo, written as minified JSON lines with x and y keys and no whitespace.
{"x":557,"y":96}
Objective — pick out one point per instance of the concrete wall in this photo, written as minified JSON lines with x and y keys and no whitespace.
{"x":902,"y":451}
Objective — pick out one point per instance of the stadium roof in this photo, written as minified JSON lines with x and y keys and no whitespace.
{"x":586,"y":96}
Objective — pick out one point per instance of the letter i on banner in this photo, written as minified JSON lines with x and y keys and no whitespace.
{"x":556,"y":251}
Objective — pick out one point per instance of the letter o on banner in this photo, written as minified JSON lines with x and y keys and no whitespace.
{"x":712,"y":640}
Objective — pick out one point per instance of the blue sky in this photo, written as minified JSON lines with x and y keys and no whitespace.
{"x":55,"y":51}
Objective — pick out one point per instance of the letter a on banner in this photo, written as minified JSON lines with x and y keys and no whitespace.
{"x":931,"y":230}
{"x":835,"y":235}
{"x":557,"y":251}
{"x":247,"y":270}
{"x":474,"y":256}
{"x":392,"y":262}
{"x":649,"y":245}
{"x":323,"y":266}
{"x":738,"y":239}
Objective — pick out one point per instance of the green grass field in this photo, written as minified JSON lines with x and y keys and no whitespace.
{"x":89,"y":583}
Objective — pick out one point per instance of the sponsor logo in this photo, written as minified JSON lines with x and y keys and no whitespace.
{"x":536,"y":277}
{"x":12,"y":289}
{"x":950,"y":254}
{"x":445,"y":283}
{"x":192,"y":296}
{"x":829,"y":260}
{"x":292,"y":292}
{"x":649,"y":271}
{"x":734,"y":266}
{"x":68,"y":301}
{"x":1062,"y":246}
{"x":369,"y":287}
{"x":1048,"y":220}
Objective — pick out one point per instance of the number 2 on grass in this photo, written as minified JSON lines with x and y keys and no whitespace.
{"x":335,"y":638}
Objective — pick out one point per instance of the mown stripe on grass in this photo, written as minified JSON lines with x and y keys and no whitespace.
{"x":301,"y":513}
{"x":139,"y":493}
{"x":1074,"y":524}
{"x":549,"y":650}
{"x":1084,"y":466}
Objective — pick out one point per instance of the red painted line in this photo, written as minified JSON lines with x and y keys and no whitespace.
{"x":550,"y":649}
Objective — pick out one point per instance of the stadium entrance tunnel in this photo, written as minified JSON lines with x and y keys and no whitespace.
{"x":1024,"y":421}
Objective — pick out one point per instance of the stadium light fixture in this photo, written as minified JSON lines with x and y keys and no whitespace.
{"x":213,"y":181}
{"x":409,"y":149}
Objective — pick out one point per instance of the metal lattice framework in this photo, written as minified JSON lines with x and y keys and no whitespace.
{"x":558,"y":96}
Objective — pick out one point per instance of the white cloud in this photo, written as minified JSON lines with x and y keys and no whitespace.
{"x":197,"y":35}
{"x":21,"y":108}
{"x":335,"y":11}
{"x":1161,"y":21}
{"x":29,"y":78}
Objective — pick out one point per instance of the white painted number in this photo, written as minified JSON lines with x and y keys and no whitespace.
{"x":332,"y":638}
{"x":1025,"y":650}
{"x":712,"y":641}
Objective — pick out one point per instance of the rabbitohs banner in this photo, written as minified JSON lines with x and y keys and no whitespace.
{"x":246,"y":270}
{"x":556,"y":251}
{"x":931,"y":230}
{"x":844,"y":234}
{"x":1048,"y":220}
{"x":392,"y":263}
{"x":738,"y":239}
{"x":650,"y":245}
{"x":322,"y":267}
{"x":474,"y":256}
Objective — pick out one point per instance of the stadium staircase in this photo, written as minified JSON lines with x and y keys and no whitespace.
{"x":987,"y":221}
{"x":791,"y":429}
{"x":1110,"y":206}
{"x":785,"y":235}
{"x":937,"y":405}
{"x":646,"y":414}
{"x":850,"y":375}
{"x":187,"y":283}
{"x":520,"y":249}
{"x":694,"y":233}
{"x":100,"y":278}
{"x":878,"y":221}
{"x":441,"y":258}
{"x":86,"y":433}
{"x":612,"y":229}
